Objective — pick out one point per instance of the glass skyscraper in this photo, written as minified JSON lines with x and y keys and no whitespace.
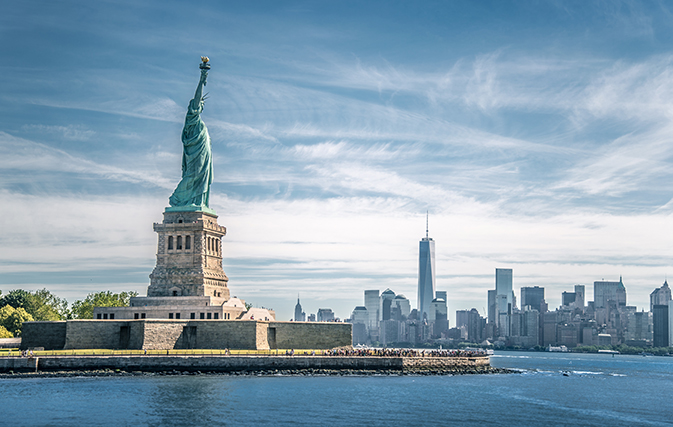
{"x":504,"y":299}
{"x":426,"y":275}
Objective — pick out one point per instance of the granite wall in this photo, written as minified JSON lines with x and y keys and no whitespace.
{"x":156,"y":334}
{"x":50,"y":335}
{"x":310,"y":335}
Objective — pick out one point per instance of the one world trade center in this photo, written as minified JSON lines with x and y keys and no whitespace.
{"x":426,"y":274}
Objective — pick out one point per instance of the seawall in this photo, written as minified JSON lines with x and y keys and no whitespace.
{"x":189,"y":363}
{"x":163,"y":334}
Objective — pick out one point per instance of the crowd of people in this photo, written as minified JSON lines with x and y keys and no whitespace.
{"x":355,"y":352}
{"x":402,"y":352}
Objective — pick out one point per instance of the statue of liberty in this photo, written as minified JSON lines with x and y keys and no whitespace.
{"x":193,"y":191}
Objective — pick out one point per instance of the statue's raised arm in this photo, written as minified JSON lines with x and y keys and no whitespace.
{"x":193,"y":191}
{"x":198,"y":95}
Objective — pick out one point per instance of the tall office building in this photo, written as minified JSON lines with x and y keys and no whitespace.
{"x":403,"y":305}
{"x":438,"y":316}
{"x":639,"y":327}
{"x":532,"y":296}
{"x":568,"y":298}
{"x":373,"y":306}
{"x":299,"y":315}
{"x":670,"y":323}
{"x":503,"y":309}
{"x":359,"y":319}
{"x":475,"y":326}
{"x":387,"y":298}
{"x":462,"y":318}
{"x":605,"y":291}
{"x":504,"y":299}
{"x":491,"y":307}
{"x":442,"y":295}
{"x":426,"y":274}
{"x":579,"y":296}
{"x":660,"y":320}
{"x":660,"y":296}
{"x":503,"y":283}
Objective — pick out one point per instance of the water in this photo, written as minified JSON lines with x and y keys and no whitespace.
{"x":598,"y":390}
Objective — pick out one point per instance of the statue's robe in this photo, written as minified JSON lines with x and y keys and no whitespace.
{"x":197,"y":162}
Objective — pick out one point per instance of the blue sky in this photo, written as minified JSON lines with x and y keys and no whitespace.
{"x":537,"y":134}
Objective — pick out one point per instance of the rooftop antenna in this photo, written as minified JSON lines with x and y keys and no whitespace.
{"x":426,"y":223}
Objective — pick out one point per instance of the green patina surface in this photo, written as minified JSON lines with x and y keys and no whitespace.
{"x":193,"y":192}
{"x":191,"y":209}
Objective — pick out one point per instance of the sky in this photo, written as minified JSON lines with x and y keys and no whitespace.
{"x":537,"y":135}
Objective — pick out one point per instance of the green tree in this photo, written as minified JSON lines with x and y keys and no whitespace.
{"x":12,"y":319}
{"x":4,"y":333}
{"x":43,"y":305}
{"x":83,"y":309}
{"x":17,"y":298}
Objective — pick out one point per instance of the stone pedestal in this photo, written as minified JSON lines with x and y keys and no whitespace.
{"x":189,"y":257}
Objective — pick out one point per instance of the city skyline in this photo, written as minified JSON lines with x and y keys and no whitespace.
{"x":538,"y":137}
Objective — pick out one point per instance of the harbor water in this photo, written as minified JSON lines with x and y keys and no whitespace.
{"x":552,"y":388}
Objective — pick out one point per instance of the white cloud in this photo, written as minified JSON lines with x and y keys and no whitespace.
{"x":71,"y":132}
{"x":31,"y":157}
{"x":640,"y":91}
{"x":624,"y":165}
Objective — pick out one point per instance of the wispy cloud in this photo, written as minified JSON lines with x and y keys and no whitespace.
{"x":624,"y":165}
{"x":640,"y":91}
{"x":30,"y":157}
{"x":539,"y":146}
{"x":71,"y":132}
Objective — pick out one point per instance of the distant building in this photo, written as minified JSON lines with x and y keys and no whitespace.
{"x":639,"y":327}
{"x":403,"y":304}
{"x":360,"y":319}
{"x":325,"y":315}
{"x":532,"y":296}
{"x":549,"y":323}
{"x":567,"y":334}
{"x":580,"y":296}
{"x":426,"y":274}
{"x":660,"y":320}
{"x":439,"y":317}
{"x":311,"y":317}
{"x":360,"y":315}
{"x":568,"y":298}
{"x":462,"y":318}
{"x":574,"y":299}
{"x":475,"y":326}
{"x":442,"y":295}
{"x":524,"y":328}
{"x":504,"y":300}
{"x":373,"y":305}
{"x":660,"y":296}
{"x":491,"y":316}
{"x":389,"y":331}
{"x":605,"y":339}
{"x":670,"y":323}
{"x":299,"y":315}
{"x":605,"y":291}
{"x":387,"y":298}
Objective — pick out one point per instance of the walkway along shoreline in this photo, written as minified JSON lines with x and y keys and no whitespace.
{"x":252,"y":364}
